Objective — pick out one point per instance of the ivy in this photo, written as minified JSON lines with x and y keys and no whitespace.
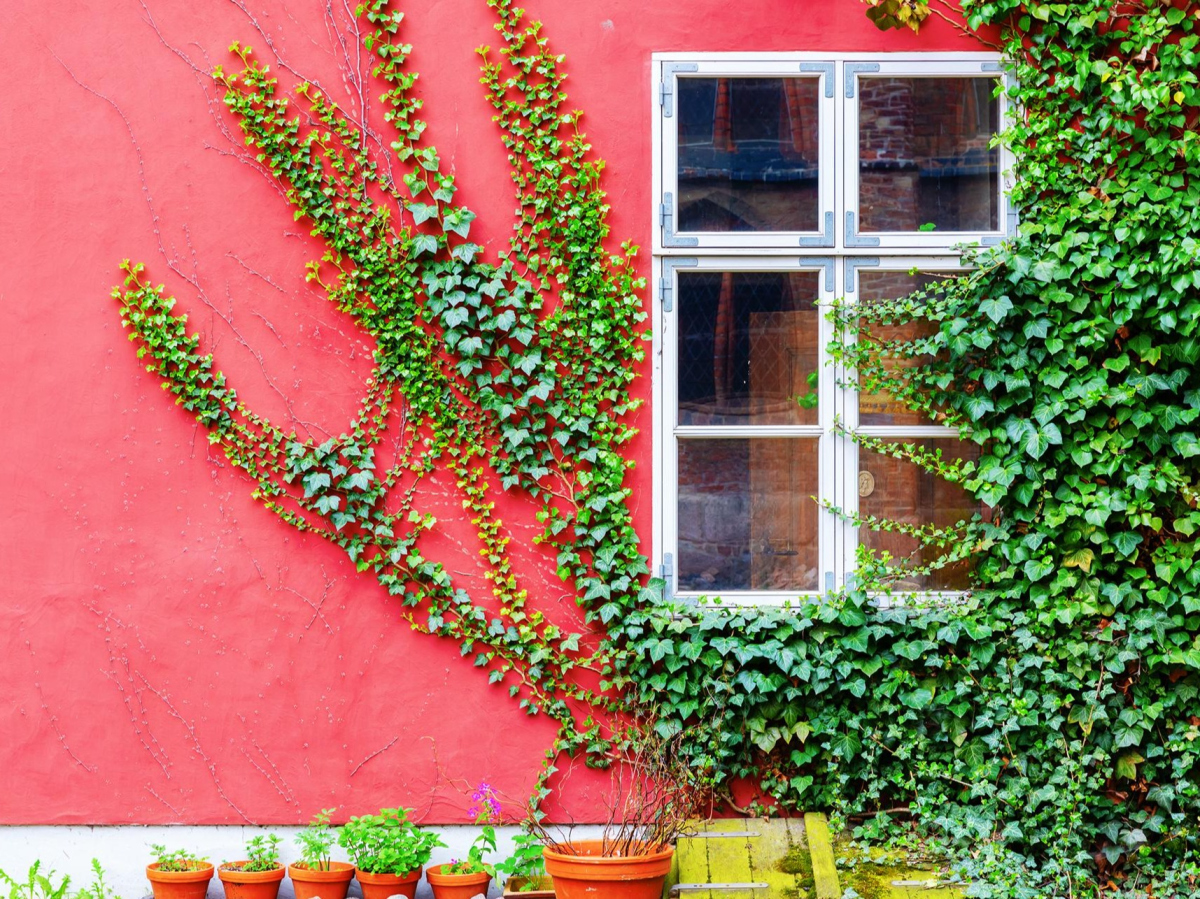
{"x":1046,"y":726}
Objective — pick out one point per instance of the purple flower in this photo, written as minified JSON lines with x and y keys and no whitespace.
{"x":487,"y":804}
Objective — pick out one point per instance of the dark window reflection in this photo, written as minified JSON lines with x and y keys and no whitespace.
{"x":746,"y":517}
{"x":881,"y":407}
{"x":748,"y":154}
{"x":924,"y":157}
{"x":748,"y":347}
{"x":898,"y":490}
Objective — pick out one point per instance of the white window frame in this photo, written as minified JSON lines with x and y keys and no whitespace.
{"x":838,"y":253}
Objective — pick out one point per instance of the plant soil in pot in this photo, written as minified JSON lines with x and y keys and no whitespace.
{"x":587,"y":874}
{"x":321,"y":883}
{"x":457,"y":886}
{"x":381,"y":886}
{"x":189,"y":884}
{"x":241,"y":884}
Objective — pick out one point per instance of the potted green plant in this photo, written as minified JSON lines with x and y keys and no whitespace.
{"x":468,"y":877}
{"x":178,"y":873}
{"x":525,"y":870}
{"x":388,"y":852}
{"x":258,"y":875}
{"x":316,"y":875}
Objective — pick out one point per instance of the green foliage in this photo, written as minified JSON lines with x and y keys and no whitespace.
{"x":1046,"y":724}
{"x":387,"y":843}
{"x":526,"y":861}
{"x":262,"y":854}
{"x":316,"y":841}
{"x":176,"y":859}
{"x":1048,"y":720}
{"x":98,"y":888}
{"x":36,"y":884}
{"x":42,"y":886}
{"x":509,"y":375}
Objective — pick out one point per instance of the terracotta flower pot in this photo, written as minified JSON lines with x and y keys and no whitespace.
{"x":457,"y":886}
{"x":315,"y":883}
{"x":179,"y":884}
{"x":516,"y":888}
{"x":381,"y":886}
{"x":250,"y":884}
{"x":590,"y":875}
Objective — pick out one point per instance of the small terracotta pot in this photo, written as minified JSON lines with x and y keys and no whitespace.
{"x":179,"y":884}
{"x":589,"y":875}
{"x":543,"y":889}
{"x":382,"y":886}
{"x":251,"y":884}
{"x":316,"y":883}
{"x":457,"y":886}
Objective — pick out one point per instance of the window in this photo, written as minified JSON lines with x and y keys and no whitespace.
{"x":783,"y":182}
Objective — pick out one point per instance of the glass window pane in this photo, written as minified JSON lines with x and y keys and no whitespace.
{"x":748,"y":154}
{"x":881,"y":408}
{"x":898,"y":490}
{"x":746,"y":517}
{"x":748,"y":347}
{"x":923,"y":155}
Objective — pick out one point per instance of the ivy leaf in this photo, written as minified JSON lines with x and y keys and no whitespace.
{"x":1126,"y":542}
{"x":996,"y":308}
{"x":845,"y":745}
{"x":421,"y":212}
{"x":1081,"y":558}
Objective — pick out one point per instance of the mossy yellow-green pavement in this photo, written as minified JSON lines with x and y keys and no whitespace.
{"x":768,"y":857}
{"x":878,"y":874}
{"x":788,"y":858}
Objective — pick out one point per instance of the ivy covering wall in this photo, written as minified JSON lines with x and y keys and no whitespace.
{"x":1045,"y":726}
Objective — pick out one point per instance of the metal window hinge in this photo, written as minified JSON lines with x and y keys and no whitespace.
{"x":822,"y":68}
{"x":853,"y":238}
{"x":666,"y":221}
{"x":851,"y":70}
{"x":825,"y":238}
{"x":826,"y":264}
{"x":667,"y":572}
{"x":666,"y":87}
{"x":666,"y":283}
{"x":854,"y":264}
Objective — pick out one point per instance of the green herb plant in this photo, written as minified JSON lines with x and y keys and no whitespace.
{"x":176,"y":859}
{"x":316,"y":842}
{"x":387,"y":843}
{"x":262,"y":854}
{"x":526,"y":862}
{"x":38,"y":885}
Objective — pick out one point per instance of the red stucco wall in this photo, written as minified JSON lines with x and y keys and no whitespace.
{"x":169,"y":651}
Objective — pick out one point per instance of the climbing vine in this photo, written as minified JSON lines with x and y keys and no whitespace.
{"x":1046,"y":726}
{"x":511,"y":374}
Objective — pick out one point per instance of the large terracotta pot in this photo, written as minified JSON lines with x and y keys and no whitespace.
{"x":457,"y":886}
{"x":382,"y":886}
{"x":315,"y":883}
{"x":589,"y":875}
{"x":250,"y":884}
{"x":179,"y":884}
